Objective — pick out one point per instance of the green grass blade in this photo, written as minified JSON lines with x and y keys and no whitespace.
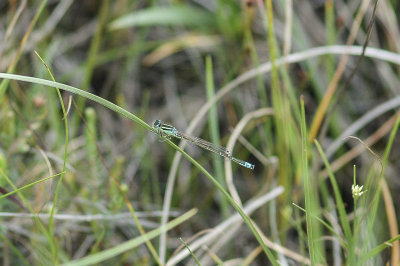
{"x":327,"y":226}
{"x":372,"y":253}
{"x":339,"y":202}
{"x":191,"y":252}
{"x":307,"y":188}
{"x":82,"y":93}
{"x":29,"y":185}
{"x":390,"y":144}
{"x":215,"y":136}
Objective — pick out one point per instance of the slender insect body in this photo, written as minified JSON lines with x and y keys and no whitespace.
{"x":168,"y":131}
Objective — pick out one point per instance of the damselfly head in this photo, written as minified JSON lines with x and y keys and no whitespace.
{"x":157,"y":123}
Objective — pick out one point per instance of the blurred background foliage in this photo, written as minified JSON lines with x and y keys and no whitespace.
{"x":149,"y":57}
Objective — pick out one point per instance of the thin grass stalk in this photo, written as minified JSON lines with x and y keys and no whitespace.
{"x":307,"y":189}
{"x":65,"y":155}
{"x":215,"y":136}
{"x":281,"y":113}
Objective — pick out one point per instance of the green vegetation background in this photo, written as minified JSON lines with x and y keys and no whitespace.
{"x":307,"y":91}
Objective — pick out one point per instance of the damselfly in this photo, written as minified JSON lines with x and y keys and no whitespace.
{"x":168,"y":131}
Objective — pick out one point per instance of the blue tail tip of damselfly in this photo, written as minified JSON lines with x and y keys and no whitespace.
{"x":249,"y":165}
